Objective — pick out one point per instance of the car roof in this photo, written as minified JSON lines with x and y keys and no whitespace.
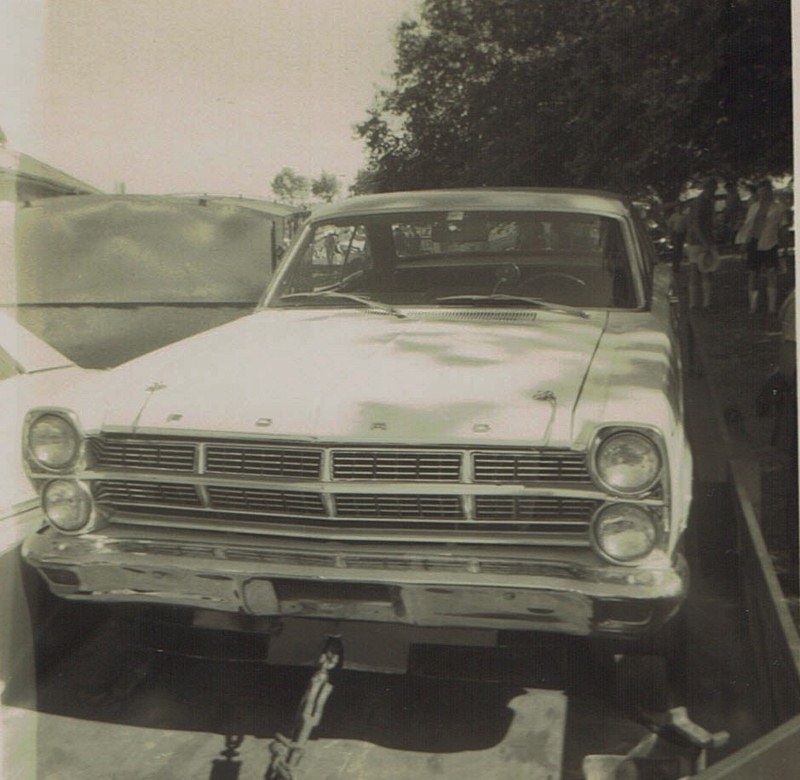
{"x":480,"y":199}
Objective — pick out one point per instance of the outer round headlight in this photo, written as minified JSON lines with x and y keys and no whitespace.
{"x":624,"y":532}
{"x":628,"y":462}
{"x":53,"y":442}
{"x":67,"y":504}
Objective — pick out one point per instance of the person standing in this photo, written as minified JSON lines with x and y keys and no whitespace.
{"x":700,"y":248}
{"x":761,"y":235}
{"x":676,"y":224}
{"x":331,"y":247}
{"x":732,"y":213}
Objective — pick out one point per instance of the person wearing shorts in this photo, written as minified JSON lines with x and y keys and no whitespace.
{"x":761,"y":235}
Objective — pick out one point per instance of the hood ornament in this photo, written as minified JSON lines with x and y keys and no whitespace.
{"x":548,"y":396}
{"x":151,"y":389}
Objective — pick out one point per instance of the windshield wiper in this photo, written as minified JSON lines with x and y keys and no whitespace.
{"x":503,"y":298}
{"x":362,"y":299}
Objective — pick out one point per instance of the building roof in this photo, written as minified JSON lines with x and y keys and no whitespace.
{"x":23,"y":177}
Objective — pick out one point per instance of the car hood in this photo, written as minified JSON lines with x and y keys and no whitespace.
{"x":471,"y":376}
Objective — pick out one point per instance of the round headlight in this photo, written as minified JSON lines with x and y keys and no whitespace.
{"x":624,"y":532}
{"x":67,"y":504}
{"x":628,"y":462}
{"x":53,"y":442}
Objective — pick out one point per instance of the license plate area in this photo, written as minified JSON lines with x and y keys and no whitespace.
{"x":288,"y":590}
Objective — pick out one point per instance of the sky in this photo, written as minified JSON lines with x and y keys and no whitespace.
{"x":194,"y":95}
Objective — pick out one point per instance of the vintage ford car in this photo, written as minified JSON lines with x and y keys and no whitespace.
{"x":452,"y":408}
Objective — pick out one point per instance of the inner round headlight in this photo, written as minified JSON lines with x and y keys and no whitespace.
{"x":53,"y":442}
{"x":628,"y":462}
{"x":67,"y":504}
{"x":624,"y":532}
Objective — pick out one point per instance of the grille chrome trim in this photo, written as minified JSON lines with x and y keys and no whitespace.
{"x":495,"y":495}
{"x":547,"y":513}
{"x":400,"y":506}
{"x":544,"y":466}
{"x":297,"y":462}
{"x":123,"y":453}
{"x":272,"y":462}
{"x":129,"y":493}
{"x":401,"y":465}
{"x":323,"y":530}
{"x":534,"y":508}
{"x":265,"y":501}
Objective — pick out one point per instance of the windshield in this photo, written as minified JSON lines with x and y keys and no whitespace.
{"x":458,"y":258}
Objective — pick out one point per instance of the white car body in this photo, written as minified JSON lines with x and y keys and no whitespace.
{"x":398,"y":422}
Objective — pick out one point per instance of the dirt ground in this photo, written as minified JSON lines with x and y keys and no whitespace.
{"x":739,"y":354}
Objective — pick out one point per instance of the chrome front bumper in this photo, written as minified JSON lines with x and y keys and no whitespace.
{"x":563,"y":590}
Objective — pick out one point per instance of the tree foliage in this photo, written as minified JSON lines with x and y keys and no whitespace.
{"x":326,"y":186}
{"x":290,"y":187}
{"x":295,"y":189}
{"x":632,"y":95}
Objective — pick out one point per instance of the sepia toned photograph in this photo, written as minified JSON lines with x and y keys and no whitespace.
{"x":398,"y":389}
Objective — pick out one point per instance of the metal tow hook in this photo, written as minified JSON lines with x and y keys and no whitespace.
{"x":285,"y":753}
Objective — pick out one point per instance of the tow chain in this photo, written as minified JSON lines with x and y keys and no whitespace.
{"x":285,"y":753}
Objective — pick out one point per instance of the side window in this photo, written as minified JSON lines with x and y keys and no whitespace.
{"x":336,"y":253}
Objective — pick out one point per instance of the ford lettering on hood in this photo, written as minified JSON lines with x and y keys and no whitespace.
{"x":369,"y":376}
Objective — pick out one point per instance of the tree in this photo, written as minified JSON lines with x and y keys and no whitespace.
{"x":636,"y":96}
{"x":365,"y":183}
{"x":325,"y":186}
{"x":749,"y":96}
{"x":290,"y":187}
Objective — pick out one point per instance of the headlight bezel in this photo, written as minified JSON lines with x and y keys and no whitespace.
{"x":37,"y":467}
{"x":91,"y":518}
{"x":651,"y":437}
{"x":648,"y":514}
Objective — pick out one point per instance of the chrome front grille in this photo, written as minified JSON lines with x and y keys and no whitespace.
{"x":391,"y":465}
{"x":402,"y":506}
{"x":546,"y":513}
{"x":263,"y":461}
{"x":364,"y":464}
{"x":545,"y":466}
{"x":533,"y":508}
{"x":294,"y":488}
{"x":131,"y":493}
{"x":388,"y":510}
{"x":274,"y":502}
{"x":150,"y":454}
